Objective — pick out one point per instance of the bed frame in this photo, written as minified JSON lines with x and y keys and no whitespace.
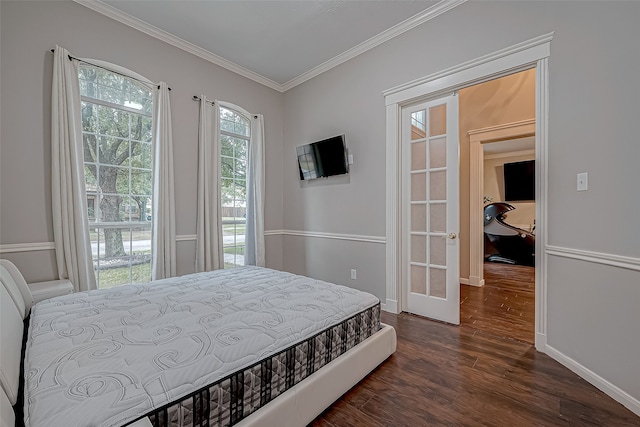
{"x":298,"y":406}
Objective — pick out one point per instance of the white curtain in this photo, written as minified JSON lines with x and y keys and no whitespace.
{"x":254,"y":234}
{"x":69,"y":200}
{"x":163,"y":235}
{"x":209,"y":255}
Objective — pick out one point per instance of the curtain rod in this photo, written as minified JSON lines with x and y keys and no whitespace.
{"x":105,"y":68}
{"x":197,"y":98}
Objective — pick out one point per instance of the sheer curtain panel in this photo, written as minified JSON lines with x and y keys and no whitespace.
{"x":209,"y":255}
{"x":163,"y":234}
{"x":254,"y":235}
{"x":69,"y":200}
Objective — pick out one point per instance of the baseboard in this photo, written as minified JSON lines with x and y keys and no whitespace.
{"x":391,"y":306}
{"x":596,"y":380}
{"x":472,"y":281}
{"x":541,"y":342}
{"x":475,"y":281}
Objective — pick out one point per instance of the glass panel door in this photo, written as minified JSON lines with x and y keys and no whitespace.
{"x":430,"y":169}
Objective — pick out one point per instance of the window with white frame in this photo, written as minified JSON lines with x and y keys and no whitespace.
{"x":116,"y":125}
{"x":235,"y":133}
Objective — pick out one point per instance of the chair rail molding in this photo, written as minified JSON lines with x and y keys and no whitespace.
{"x":26,"y":247}
{"x":185,"y":237}
{"x":323,"y":235}
{"x":612,"y":260}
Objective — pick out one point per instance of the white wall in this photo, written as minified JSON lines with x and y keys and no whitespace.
{"x":28,"y":31}
{"x":594,"y":101}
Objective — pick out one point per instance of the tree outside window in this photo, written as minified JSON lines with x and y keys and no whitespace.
{"x":235,"y":132}
{"x":116,"y":122}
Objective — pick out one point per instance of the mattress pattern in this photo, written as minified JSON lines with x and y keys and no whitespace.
{"x":235,"y":397}
{"x":203,"y":349}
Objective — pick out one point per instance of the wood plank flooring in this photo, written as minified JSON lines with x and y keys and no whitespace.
{"x":444,"y":375}
{"x":505,"y":305}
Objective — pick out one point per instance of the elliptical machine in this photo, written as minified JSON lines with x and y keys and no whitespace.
{"x":514,"y":245}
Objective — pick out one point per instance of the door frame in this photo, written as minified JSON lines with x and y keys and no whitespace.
{"x":478,"y":137}
{"x":533,"y":53}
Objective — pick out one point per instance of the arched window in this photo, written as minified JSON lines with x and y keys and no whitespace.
{"x":235,"y":134}
{"x":116,"y":125}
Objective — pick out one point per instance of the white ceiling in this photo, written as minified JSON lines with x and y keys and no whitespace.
{"x":279,"y":41}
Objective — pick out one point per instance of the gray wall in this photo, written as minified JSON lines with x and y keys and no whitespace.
{"x":594,"y":103}
{"x":28,"y":31}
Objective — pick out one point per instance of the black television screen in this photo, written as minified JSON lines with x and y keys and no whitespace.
{"x":520,"y":181}
{"x":322,"y":158}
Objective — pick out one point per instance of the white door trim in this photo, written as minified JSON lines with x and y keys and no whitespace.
{"x":446,"y":307}
{"x":476,"y":173}
{"x":533,"y":53}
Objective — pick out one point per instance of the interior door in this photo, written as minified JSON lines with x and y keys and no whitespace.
{"x":431,"y":248}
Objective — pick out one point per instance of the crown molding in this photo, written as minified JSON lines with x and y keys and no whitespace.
{"x":396,"y":30}
{"x":140,"y":25}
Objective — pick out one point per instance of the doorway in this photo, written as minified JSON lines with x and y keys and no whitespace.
{"x":527,"y":55}
{"x":497,"y":122}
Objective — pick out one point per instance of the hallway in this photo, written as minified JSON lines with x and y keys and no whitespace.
{"x":505,"y":306}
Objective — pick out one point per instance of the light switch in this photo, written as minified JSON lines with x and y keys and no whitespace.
{"x":350,"y":159}
{"x":582,"y":181}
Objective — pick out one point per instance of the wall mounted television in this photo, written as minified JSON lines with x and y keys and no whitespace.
{"x":520,"y":181}
{"x":323,"y":158}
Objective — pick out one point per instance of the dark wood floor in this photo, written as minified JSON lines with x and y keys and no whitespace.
{"x":505,"y":305}
{"x":444,"y":375}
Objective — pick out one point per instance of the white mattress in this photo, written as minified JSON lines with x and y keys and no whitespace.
{"x":103,"y":358}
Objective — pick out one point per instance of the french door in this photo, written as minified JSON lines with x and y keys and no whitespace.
{"x":430,"y":223}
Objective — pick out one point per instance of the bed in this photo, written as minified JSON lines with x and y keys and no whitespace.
{"x":247,"y":346}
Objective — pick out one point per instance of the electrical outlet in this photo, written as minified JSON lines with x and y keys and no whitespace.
{"x":354,"y":274}
{"x":582,"y":181}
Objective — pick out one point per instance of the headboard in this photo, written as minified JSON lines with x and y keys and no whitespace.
{"x":15,"y":304}
{"x":11,"y":329}
{"x":15,"y":284}
{"x":7,"y":417}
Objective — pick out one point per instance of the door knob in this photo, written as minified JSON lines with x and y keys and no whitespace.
{"x":451,"y":236}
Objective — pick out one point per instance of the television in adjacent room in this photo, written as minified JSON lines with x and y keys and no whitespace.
{"x":323,"y":158}
{"x":520,"y":181}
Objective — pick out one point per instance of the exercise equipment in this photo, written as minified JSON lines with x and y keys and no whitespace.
{"x":514,"y":245}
